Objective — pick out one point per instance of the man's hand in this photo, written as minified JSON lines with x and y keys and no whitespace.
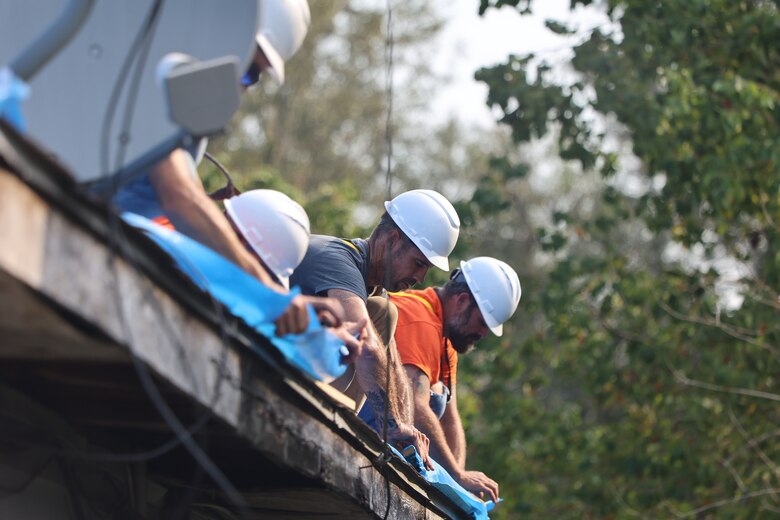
{"x":295,"y":318}
{"x":479,"y":484}
{"x":353,"y":334}
{"x":402,"y":435}
{"x":329,"y":310}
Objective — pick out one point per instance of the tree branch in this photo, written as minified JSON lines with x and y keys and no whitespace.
{"x":772,"y":299}
{"x":728,"y":330}
{"x":761,"y":438}
{"x":766,"y":213}
{"x":626,"y":508}
{"x":753,"y":444}
{"x":727,"y":464}
{"x":680,"y":376}
{"x":727,"y":502}
{"x":628,"y":336}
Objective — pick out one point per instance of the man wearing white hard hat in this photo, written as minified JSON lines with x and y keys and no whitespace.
{"x":418,"y":230}
{"x":283,"y":27}
{"x":437,"y":324}
{"x":275,"y":229}
{"x":172,"y":190}
{"x":272,"y":226}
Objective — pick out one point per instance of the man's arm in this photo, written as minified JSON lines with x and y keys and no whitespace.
{"x":453,"y":430}
{"x":385,"y":396}
{"x":424,"y":418}
{"x":193,"y":213}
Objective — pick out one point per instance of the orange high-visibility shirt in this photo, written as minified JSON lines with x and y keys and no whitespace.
{"x":419,"y":335}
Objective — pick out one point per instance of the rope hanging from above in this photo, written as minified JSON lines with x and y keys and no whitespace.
{"x":389,"y":42}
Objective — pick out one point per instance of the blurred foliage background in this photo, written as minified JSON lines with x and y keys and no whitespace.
{"x":635,"y":189}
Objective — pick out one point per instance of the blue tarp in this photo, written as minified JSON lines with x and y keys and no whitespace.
{"x":441,"y":480}
{"x":439,"y":477}
{"x":12,"y":92}
{"x":316,"y":351}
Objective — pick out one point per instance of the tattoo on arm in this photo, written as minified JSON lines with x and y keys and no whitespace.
{"x":377,"y":398}
{"x":421,"y":385}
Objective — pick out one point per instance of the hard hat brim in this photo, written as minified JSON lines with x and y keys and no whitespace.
{"x":439,"y":261}
{"x":417,"y":238}
{"x":495,"y":327}
{"x":276,"y":71}
{"x":284,"y":280}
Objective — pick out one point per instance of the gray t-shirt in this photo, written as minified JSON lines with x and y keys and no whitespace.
{"x":333,"y":263}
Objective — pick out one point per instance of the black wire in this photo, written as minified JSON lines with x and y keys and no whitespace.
{"x":116,"y":92}
{"x":388,"y":263}
{"x":446,"y":363}
{"x":229,"y":190}
{"x":132,"y":93}
{"x":139,"y":49}
{"x":388,"y":182}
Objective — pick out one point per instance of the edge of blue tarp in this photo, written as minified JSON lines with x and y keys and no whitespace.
{"x":316,"y":351}
{"x":12,"y":92}
{"x":439,"y":478}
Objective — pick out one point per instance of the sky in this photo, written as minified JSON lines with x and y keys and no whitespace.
{"x":469,"y":42}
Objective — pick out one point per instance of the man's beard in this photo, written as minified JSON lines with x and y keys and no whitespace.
{"x":400,"y":285}
{"x":462,"y":343}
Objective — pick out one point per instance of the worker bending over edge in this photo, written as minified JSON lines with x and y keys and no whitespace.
{"x":275,"y":230}
{"x":419,"y":229}
{"x":434,"y":326}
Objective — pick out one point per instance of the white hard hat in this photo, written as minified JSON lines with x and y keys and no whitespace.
{"x":275,"y":226}
{"x":283,"y":26}
{"x":430,"y":222}
{"x":496,"y":289}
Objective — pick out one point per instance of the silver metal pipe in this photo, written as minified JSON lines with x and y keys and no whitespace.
{"x":54,"y":38}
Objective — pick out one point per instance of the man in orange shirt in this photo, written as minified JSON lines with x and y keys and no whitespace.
{"x":434,"y":326}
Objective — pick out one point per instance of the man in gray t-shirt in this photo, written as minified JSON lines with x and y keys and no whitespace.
{"x":333,"y":263}
{"x":419,"y":229}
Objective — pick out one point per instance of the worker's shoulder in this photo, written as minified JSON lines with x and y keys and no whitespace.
{"x":417,"y":299}
{"x":329,"y":258}
{"x":329,"y":252}
{"x":325,"y":244}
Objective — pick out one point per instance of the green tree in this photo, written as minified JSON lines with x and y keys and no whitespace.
{"x":651,"y":388}
{"x":321,"y":137}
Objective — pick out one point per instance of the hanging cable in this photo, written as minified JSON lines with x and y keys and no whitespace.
{"x":389,"y":42}
{"x":229,"y":189}
{"x":389,"y":72}
{"x":388,"y":182}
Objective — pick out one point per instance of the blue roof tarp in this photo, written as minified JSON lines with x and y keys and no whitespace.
{"x":317,"y":352}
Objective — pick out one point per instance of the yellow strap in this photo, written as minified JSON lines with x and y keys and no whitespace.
{"x":350,"y":244}
{"x":409,"y":295}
